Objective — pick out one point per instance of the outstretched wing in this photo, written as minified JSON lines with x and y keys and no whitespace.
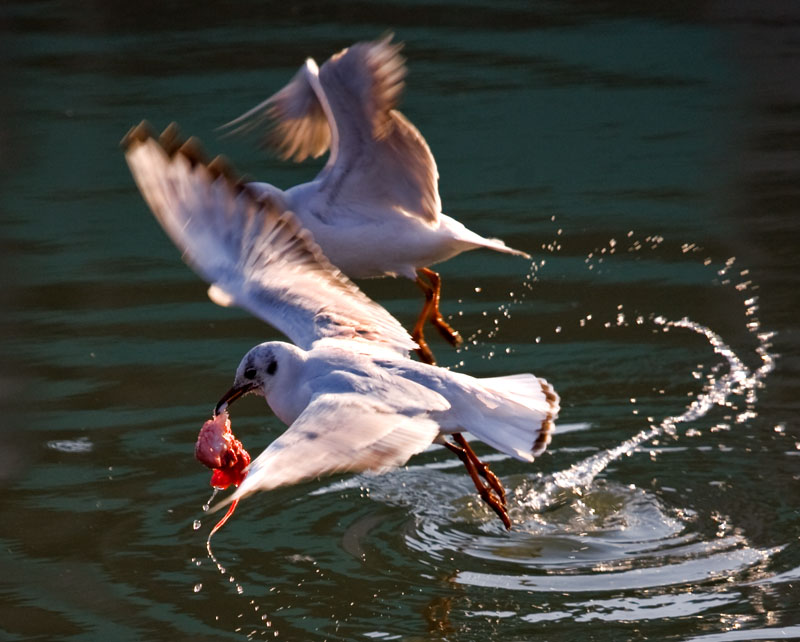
{"x":367,"y":81}
{"x":348,"y":432}
{"x":379,"y":161}
{"x":252,"y":252}
{"x":292,"y":121}
{"x":382,"y":160}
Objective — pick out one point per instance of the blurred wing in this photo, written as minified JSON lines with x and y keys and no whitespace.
{"x":395,"y":174}
{"x":362,"y":84}
{"x":382,"y":162}
{"x":336,"y":433}
{"x":253,"y":252}
{"x":292,"y":121}
{"x":379,"y":161}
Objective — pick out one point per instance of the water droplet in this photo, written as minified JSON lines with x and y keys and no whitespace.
{"x":196,"y":524}
{"x":198,"y":587}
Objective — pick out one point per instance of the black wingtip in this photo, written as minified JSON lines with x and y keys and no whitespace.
{"x":222,"y":167}
{"x":548,"y":426}
{"x":137,"y":134}
{"x":171,"y":139}
{"x":172,"y":142}
{"x":193,"y":150}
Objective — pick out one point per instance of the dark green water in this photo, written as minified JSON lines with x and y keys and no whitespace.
{"x":649,"y":160}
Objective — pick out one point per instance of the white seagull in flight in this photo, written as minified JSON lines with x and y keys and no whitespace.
{"x":351,"y":395}
{"x":374,"y":209}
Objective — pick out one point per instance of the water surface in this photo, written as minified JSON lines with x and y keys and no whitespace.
{"x":649,"y":162}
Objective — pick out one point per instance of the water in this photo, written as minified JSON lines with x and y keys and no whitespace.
{"x":649,"y":162}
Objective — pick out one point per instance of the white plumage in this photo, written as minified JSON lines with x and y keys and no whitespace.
{"x":352,"y":397}
{"x":378,"y":191}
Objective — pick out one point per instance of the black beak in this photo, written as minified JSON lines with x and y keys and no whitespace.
{"x":232,"y":395}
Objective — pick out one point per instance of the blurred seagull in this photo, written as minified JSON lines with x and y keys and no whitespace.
{"x":374,"y":209}
{"x":347,"y":389}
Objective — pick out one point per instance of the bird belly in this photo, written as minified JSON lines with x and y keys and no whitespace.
{"x":394,"y":245}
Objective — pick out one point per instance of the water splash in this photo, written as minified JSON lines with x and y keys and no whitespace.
{"x":738,"y":380}
{"x":196,"y":524}
{"x":482,"y":337}
{"x":266,"y":627}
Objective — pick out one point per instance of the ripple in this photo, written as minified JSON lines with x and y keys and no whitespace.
{"x":80,"y":445}
{"x":598,"y":578}
{"x":612,"y":538}
{"x":784,"y":633}
{"x":641,"y":608}
{"x":617,"y":552}
{"x":634,"y":555}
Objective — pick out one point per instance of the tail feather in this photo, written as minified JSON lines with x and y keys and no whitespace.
{"x":519,"y":416}
{"x":472,"y":240}
{"x":500,"y":246}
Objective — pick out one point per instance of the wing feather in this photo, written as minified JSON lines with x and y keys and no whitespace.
{"x":382,"y":160}
{"x":292,"y":121}
{"x":395,"y":174}
{"x":379,"y":162}
{"x":339,"y":433}
{"x":367,"y":79}
{"x":253,"y":253}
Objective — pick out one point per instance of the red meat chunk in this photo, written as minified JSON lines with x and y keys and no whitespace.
{"x":218,"y":449}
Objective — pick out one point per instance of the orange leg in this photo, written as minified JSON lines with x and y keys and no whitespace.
{"x":436,"y":318}
{"x":424,"y":352}
{"x":483,"y":490}
{"x":482,"y":468}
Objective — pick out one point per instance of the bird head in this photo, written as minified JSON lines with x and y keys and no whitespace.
{"x":256,"y":374}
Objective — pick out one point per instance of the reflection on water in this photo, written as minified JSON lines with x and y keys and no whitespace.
{"x":633,"y":151}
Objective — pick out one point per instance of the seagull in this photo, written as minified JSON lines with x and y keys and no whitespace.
{"x":352,"y":397}
{"x":378,"y":191}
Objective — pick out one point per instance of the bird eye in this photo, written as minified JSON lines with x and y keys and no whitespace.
{"x":250,"y":373}
{"x":272,"y":367}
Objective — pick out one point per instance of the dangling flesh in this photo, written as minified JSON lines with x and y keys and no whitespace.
{"x":218,"y":449}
